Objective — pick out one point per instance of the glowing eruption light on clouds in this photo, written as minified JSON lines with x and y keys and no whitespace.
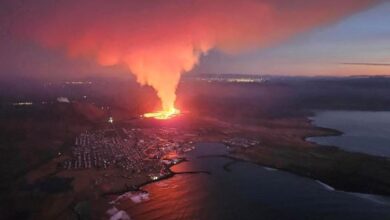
{"x":162,"y":39}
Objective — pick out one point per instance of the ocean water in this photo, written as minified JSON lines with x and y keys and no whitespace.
{"x":365,"y":132}
{"x":246,"y":191}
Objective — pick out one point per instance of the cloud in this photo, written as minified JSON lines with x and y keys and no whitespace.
{"x":161,"y":39}
{"x":367,"y":64}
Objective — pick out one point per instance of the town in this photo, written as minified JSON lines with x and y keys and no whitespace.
{"x":148,"y":150}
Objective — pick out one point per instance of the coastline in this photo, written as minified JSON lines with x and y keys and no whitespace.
{"x":312,"y":160}
{"x":308,"y":170}
{"x":306,"y":161}
{"x":282,"y":147}
{"x":232,"y":160}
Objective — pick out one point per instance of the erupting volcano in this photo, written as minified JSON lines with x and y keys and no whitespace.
{"x":159,"y":44}
{"x":163,"y":115}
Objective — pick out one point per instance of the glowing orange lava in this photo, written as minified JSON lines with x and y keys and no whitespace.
{"x":163,"y":115}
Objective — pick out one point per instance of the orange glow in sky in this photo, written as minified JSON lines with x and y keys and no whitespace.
{"x":158,"y":41}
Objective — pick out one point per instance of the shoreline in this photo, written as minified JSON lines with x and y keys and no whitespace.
{"x":237,"y":159}
{"x":232,"y":160}
{"x":282,"y":146}
{"x":138,"y":187}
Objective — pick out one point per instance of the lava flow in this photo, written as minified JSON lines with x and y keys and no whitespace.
{"x":163,"y":115}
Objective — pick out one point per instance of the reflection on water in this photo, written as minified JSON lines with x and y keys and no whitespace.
{"x":366,"y":132}
{"x":248,"y":191}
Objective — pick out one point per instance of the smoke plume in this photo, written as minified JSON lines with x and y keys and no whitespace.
{"x":158,"y":40}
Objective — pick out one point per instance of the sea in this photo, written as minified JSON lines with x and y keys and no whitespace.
{"x":363,"y":131}
{"x":212,"y":186}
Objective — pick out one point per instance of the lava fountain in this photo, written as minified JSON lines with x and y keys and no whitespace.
{"x":163,"y":115}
